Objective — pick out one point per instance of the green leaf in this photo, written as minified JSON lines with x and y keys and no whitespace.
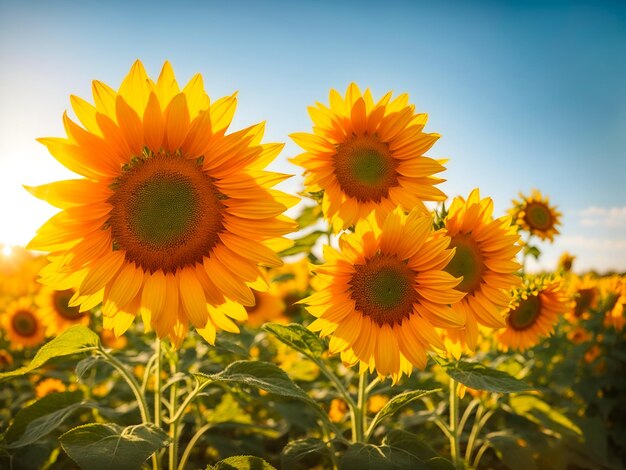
{"x":263,"y":375}
{"x":397,"y":402}
{"x":399,"y":450}
{"x":532,"y":251}
{"x":301,"y":449}
{"x":241,"y":462}
{"x":74,"y":340}
{"x":303,"y":244}
{"x":297,"y":337}
{"x":510,"y":452}
{"x":109,"y":446}
{"x":539,"y":412}
{"x":480,"y":377}
{"x":309,"y":216}
{"x":84,"y":365}
{"x":42,"y":417}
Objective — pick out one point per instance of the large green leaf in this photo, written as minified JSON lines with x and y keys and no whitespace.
{"x":40,"y":418}
{"x":397,"y":402}
{"x":110,"y":446}
{"x":259,"y":374}
{"x":539,"y":412}
{"x":241,"y":462}
{"x":302,"y":449}
{"x":480,"y":377}
{"x":297,"y":337}
{"x":399,"y":450}
{"x":511,"y":452}
{"x":74,"y":340}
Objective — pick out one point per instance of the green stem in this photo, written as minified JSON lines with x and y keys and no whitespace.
{"x":479,"y":423}
{"x":132,"y":383}
{"x":191,"y":444}
{"x":157,"y":395}
{"x":337,"y":383}
{"x":436,"y":418}
{"x":147,"y":373}
{"x":173,"y":454}
{"x":455,"y":438}
{"x":360,"y":412}
{"x":480,"y":453}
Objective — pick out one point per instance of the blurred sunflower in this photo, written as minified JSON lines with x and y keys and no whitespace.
{"x":57,"y":313}
{"x":368,"y":156}
{"x":23,"y":324}
{"x":48,"y":386}
{"x":268,"y":307}
{"x":586,"y":295}
{"x":613,"y":290}
{"x":291,"y":282}
{"x":173,"y":215}
{"x":535,"y":215}
{"x":382,"y":295}
{"x":566,"y":260}
{"x":6,"y":360}
{"x":485,"y":258}
{"x":534,"y":311}
{"x":18,"y":273}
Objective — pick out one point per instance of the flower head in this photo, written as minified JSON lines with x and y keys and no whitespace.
{"x":368,"y":156}
{"x":381,"y":297}
{"x":172,"y":216}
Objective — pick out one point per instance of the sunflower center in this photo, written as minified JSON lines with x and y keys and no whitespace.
{"x":467,"y":262}
{"x":526,"y":313}
{"x":365,"y":169}
{"x":538,"y":216}
{"x":61,"y":301}
{"x":24,"y":323}
{"x":167,"y":213}
{"x":383,"y":289}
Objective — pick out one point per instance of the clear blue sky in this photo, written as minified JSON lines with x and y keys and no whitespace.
{"x":525,"y":94}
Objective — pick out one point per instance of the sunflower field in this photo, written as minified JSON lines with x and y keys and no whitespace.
{"x":180,"y":312}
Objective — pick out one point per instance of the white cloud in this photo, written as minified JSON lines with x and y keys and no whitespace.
{"x":603,"y":216}
{"x":590,"y":243}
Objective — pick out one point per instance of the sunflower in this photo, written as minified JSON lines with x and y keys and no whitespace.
{"x":6,"y":359}
{"x":485,"y":258}
{"x":18,"y":273}
{"x":48,"y":386}
{"x":268,"y":306}
{"x":368,"y":156}
{"x":172,"y":217}
{"x":586,"y":295}
{"x":56,"y":311}
{"x":382,"y":296}
{"x":534,"y":311}
{"x":613,"y":291}
{"x":535,"y":215}
{"x":566,"y":260}
{"x":23,"y":324}
{"x":291,"y":282}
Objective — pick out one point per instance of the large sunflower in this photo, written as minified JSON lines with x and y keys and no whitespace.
{"x":535,"y":215}
{"x":173,"y":215}
{"x":23,"y":325}
{"x":485,"y":257}
{"x":56,"y":311}
{"x":381,"y":296}
{"x":534,"y":311}
{"x":368,"y":156}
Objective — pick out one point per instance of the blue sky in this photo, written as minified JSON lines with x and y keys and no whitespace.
{"x":525,"y":95}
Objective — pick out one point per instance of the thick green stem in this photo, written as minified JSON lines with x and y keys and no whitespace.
{"x":455,"y":438}
{"x":132,"y":383}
